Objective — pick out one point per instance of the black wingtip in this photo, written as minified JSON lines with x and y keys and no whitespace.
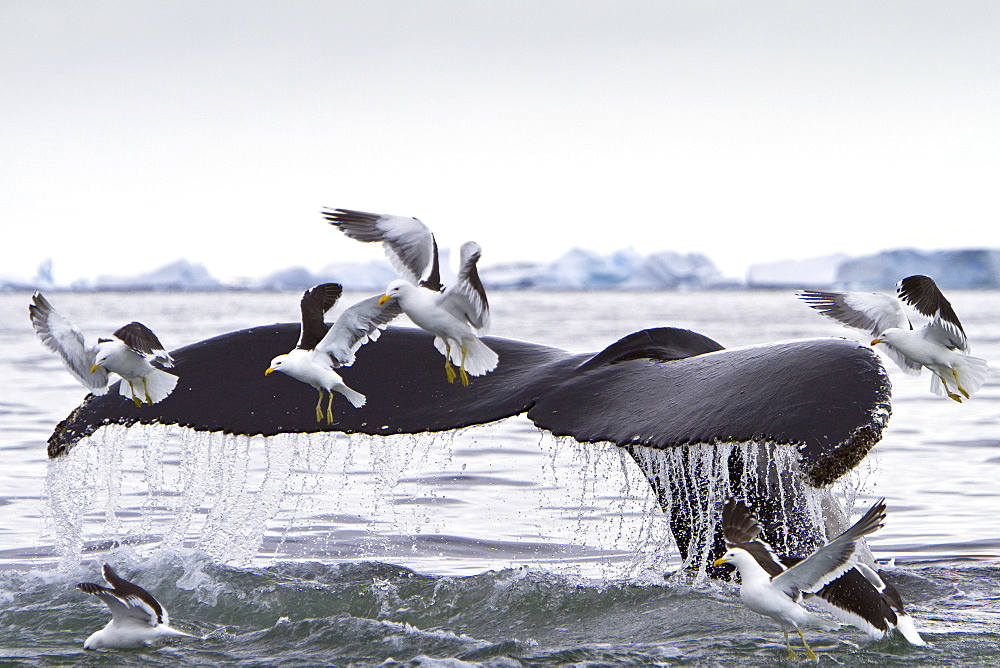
{"x":89,"y":587}
{"x":923,"y":294}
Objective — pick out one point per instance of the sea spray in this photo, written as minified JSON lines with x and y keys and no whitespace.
{"x":244,"y":500}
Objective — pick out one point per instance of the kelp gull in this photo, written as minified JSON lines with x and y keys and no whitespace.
{"x":941,"y":345}
{"x":456,"y":315}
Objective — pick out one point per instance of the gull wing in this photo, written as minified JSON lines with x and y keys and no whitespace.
{"x":740,"y":529}
{"x":832,"y":560}
{"x":315,"y":302}
{"x":923,"y":294}
{"x":408,"y":243}
{"x":143,"y":342}
{"x":869,"y":311}
{"x":62,"y":337}
{"x":356,"y":326}
{"x":466,"y":298}
{"x":854,"y":599}
{"x":119,"y":610}
{"x":139,"y":602}
{"x":128,"y":602}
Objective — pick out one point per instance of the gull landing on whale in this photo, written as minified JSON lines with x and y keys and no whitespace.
{"x":322,"y":348}
{"x":941,"y":345}
{"x":130,"y":353}
{"x":457,"y":315}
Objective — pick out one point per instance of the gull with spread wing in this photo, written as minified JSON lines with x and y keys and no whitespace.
{"x":457,"y":315}
{"x":858,"y":597}
{"x":778,"y":593}
{"x":130,"y":353}
{"x":137,"y":618}
{"x":323,"y":348}
{"x":940,"y":345}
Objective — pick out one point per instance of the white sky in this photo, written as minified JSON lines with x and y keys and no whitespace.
{"x":134,"y":133}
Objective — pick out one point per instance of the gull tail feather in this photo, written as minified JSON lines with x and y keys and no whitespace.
{"x":158,"y":385}
{"x":971,"y":373}
{"x":171,"y":631}
{"x":904,"y":624}
{"x":479,"y":357}
{"x":356,"y":398}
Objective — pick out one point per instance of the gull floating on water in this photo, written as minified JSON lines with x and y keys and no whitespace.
{"x":130,"y":354}
{"x":771,"y":589}
{"x":322,"y":348}
{"x":456,"y":315}
{"x":941,"y":345}
{"x":137,"y":618}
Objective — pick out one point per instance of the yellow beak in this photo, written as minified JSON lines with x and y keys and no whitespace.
{"x":269,"y":370}
{"x":94,"y":368}
{"x":383,"y":299}
{"x":719,"y":562}
{"x":876,"y":341}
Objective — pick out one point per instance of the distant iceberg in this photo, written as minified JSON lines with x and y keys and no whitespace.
{"x":815,"y":273}
{"x":950,"y":269}
{"x":370,"y":276}
{"x":581,"y":269}
{"x":622,"y":270}
{"x":179,"y":275}
{"x":42,"y":279}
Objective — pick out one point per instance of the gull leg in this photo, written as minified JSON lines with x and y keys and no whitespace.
{"x":812,"y":655}
{"x":319,"y":410}
{"x":135,"y":399}
{"x":329,"y":409}
{"x":958,"y":384}
{"x":951,"y":395}
{"x":145,"y":390}
{"x":788,"y":644}
{"x":461,"y":370}
{"x":449,"y":370}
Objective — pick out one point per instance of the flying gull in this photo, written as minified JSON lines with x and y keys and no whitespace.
{"x":456,"y":315}
{"x":769,"y":588}
{"x":136,"y":617}
{"x":130,"y":353}
{"x":322,"y":348}
{"x":940,"y":345}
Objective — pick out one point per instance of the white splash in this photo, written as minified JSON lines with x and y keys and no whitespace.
{"x":448,"y":501}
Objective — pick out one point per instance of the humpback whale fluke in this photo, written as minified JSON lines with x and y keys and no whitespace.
{"x":660,"y":388}
{"x":653,"y":391}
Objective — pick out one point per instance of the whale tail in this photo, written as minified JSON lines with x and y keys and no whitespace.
{"x":152,"y":388}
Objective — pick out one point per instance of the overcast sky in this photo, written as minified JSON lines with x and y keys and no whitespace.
{"x":134,"y":133}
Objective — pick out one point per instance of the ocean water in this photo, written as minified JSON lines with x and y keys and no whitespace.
{"x":494,"y":545}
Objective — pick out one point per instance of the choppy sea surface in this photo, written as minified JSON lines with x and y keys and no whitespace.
{"x":494,"y":545}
